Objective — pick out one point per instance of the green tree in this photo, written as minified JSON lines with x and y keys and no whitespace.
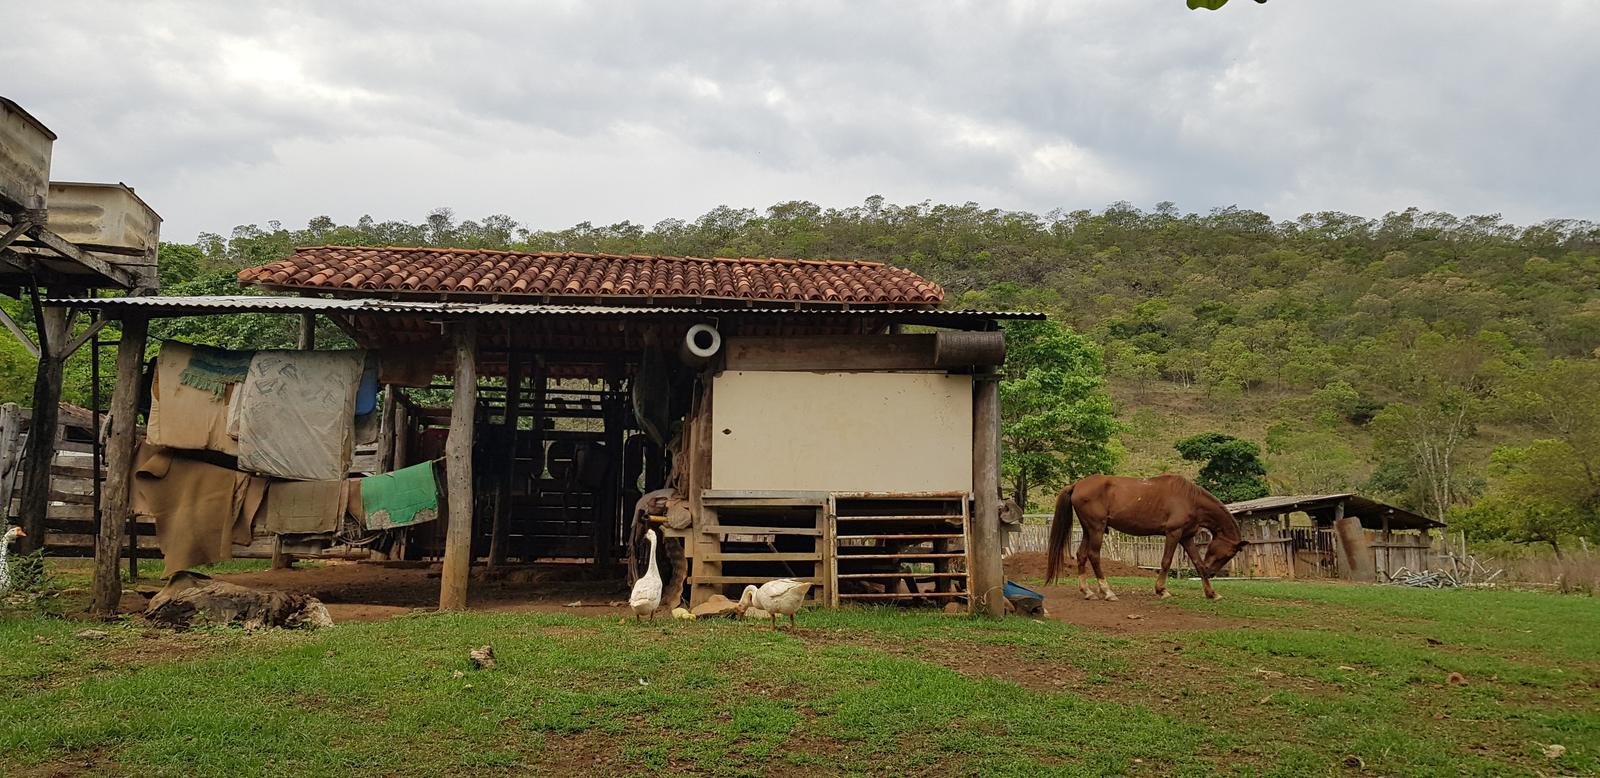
{"x":1539,"y":493}
{"x":1231,"y":468}
{"x":1549,"y":489}
{"x":1057,"y":422}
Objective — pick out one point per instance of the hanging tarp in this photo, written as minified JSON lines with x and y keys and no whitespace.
{"x":297,"y":414}
{"x":184,"y":415}
{"x":302,"y":508}
{"x":401,"y":498}
{"x":200,"y":510}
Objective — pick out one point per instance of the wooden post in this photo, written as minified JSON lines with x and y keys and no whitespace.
{"x":386,"y":430}
{"x":502,"y":507}
{"x":40,"y":447}
{"x":1353,"y":545}
{"x":987,"y":576}
{"x":609,"y":500}
{"x":458,"y":462}
{"x":115,"y":504}
{"x":10,"y":451}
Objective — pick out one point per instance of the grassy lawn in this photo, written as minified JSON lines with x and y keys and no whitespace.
{"x":1295,"y":679}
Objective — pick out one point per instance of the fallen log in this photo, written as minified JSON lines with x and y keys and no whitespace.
{"x":191,"y":599}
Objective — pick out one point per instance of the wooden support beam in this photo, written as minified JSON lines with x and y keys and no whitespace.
{"x":458,"y":463}
{"x":22,"y":335}
{"x":115,"y":502}
{"x":122,"y":276}
{"x":386,"y":431}
{"x":987,"y":582}
{"x":15,"y":232}
{"x":308,"y":331}
{"x":81,"y":338}
{"x":40,"y":448}
{"x":502,"y":507}
{"x":847,"y":352}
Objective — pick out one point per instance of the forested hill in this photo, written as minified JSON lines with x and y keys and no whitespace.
{"x":1346,"y":347}
{"x":1229,"y":299}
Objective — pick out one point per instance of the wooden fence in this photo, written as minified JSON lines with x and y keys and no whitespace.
{"x":70,"y":516}
{"x":1305,"y":552}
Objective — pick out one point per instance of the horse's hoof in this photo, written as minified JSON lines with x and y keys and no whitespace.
{"x":1110,"y":597}
{"x":1213,"y":596}
{"x":1088,"y":596}
{"x":1164,"y":594}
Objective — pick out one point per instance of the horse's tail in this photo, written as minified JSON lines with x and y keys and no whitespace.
{"x":1060,"y":535}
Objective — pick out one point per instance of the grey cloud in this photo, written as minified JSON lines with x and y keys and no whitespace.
{"x":558,"y":112}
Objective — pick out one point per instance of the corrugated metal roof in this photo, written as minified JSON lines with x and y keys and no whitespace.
{"x":1371,"y":512}
{"x":160,"y":305}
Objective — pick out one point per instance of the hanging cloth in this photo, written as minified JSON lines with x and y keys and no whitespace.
{"x":401,"y":498}
{"x":215,"y":369}
{"x":200,"y":510}
{"x":182,"y":415}
{"x":302,"y":508}
{"x":297,"y":414}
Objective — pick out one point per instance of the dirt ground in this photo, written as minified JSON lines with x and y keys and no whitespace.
{"x":362,"y":592}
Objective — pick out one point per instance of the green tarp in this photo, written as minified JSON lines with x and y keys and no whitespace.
{"x":401,"y":498}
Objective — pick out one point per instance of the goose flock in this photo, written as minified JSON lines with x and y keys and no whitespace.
{"x":781,"y":597}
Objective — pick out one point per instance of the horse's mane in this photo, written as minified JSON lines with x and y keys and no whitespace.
{"x":1219,"y":510}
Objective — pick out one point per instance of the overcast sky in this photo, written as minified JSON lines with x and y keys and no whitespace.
{"x":224,"y":113}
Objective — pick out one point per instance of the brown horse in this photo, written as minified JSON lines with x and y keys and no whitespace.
{"x":1167,"y":505}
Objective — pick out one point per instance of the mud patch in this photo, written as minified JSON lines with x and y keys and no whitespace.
{"x":1030,"y":566}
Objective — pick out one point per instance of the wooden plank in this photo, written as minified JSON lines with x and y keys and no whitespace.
{"x":763,"y":497}
{"x":85,"y":540}
{"x":903,"y":574}
{"x":898,"y":596}
{"x":948,"y":518}
{"x":11,"y":421}
{"x":72,"y":471}
{"x":725,"y":529}
{"x":925,"y":555}
{"x":834,"y":352}
{"x":121,"y":276}
{"x":115,"y":507}
{"x":747,"y":579}
{"x":458,"y":463}
{"x":70,"y":498}
{"x":941,"y":536}
{"x":763,"y":556}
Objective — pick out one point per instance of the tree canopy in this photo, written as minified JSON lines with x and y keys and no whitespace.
{"x":1230,"y":469}
{"x":1057,"y":420}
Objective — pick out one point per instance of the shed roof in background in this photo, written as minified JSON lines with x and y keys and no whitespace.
{"x":479,"y":273}
{"x":1320,"y":506}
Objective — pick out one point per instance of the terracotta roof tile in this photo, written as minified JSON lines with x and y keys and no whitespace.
{"x":394,"y":269}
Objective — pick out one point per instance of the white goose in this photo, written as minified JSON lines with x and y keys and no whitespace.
{"x":646,"y":597}
{"x":5,"y":549}
{"x":783,"y":596}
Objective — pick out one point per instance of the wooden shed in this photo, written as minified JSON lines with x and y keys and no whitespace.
{"x":1349,"y":536}
{"x":773,"y":417}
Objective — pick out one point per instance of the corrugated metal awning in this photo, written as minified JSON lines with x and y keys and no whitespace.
{"x":1371,"y":512}
{"x":171,"y":306}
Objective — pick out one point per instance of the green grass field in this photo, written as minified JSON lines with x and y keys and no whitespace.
{"x":1292,"y":679}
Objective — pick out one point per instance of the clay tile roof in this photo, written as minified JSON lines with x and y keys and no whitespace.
{"x":388,"y":270}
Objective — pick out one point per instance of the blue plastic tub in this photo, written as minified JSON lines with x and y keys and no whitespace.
{"x":1016,"y":591}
